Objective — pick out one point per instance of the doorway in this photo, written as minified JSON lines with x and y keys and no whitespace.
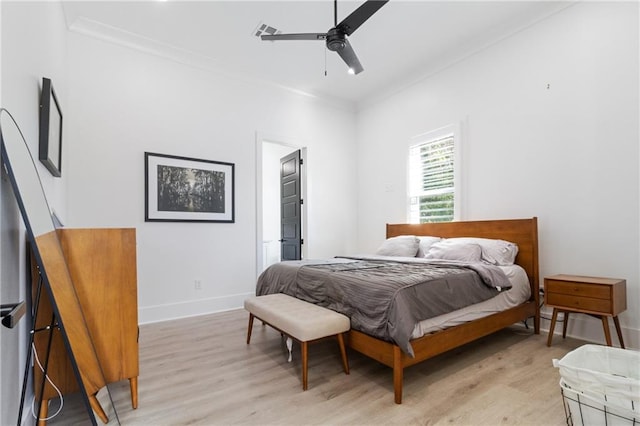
{"x":269,"y":154}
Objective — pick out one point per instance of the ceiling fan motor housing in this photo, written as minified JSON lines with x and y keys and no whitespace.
{"x":335,"y":40}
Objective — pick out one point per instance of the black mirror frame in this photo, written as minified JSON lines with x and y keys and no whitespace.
{"x":56,"y":281}
{"x":49,"y":105}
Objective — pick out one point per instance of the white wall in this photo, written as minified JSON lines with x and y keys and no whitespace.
{"x":33,"y":46}
{"x":124,"y":102}
{"x":550,"y":124}
{"x":556,"y":153}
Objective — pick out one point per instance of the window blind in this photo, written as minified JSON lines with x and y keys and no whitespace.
{"x":431,"y":180}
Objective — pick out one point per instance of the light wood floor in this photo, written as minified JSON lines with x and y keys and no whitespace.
{"x":200,"y":371}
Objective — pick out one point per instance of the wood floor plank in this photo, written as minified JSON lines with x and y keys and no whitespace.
{"x":200,"y":371}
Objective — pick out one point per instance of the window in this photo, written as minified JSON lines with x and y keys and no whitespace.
{"x":433,"y":181}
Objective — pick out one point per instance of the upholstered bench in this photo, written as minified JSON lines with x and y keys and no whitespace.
{"x":302,"y":321}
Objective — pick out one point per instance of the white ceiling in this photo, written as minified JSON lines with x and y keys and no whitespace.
{"x":403,"y":42}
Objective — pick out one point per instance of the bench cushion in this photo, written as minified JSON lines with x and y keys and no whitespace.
{"x":301,"y":320}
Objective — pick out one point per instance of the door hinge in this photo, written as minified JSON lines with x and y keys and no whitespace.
{"x":301,"y":161}
{"x":301,"y":201}
{"x":301,"y":241}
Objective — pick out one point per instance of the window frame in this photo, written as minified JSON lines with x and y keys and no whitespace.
{"x":431,"y":136}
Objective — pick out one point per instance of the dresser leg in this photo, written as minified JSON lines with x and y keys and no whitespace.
{"x":554,"y":317}
{"x":605,"y":325}
{"x":565,"y":319}
{"x":133,"y":385}
{"x":616,"y":321}
{"x":97,"y":408}
{"x":44,"y":412}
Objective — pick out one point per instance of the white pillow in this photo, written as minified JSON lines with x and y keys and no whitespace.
{"x":403,"y":245}
{"x":451,"y":250}
{"x":425,"y":244}
{"x":495,"y":252}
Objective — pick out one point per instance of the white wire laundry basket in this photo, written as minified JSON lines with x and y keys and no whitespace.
{"x":600,"y":385}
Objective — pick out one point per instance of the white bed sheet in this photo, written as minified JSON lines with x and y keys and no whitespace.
{"x":516,"y":295}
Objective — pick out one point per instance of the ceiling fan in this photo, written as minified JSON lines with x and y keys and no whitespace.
{"x":336,"y":37}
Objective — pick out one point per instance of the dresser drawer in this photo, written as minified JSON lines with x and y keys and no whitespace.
{"x":570,"y":301}
{"x":578,"y":289}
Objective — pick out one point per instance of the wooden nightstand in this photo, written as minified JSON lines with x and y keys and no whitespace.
{"x":599,"y":297}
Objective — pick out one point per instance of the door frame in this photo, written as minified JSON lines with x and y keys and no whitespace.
{"x":261,"y":138}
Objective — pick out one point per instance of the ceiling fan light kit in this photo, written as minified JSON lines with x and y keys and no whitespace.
{"x":336,"y":38}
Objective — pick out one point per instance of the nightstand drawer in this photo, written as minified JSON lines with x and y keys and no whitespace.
{"x":570,"y":301}
{"x":578,"y":289}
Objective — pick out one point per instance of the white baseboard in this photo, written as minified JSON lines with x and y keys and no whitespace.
{"x":191,"y":308}
{"x":587,"y":328}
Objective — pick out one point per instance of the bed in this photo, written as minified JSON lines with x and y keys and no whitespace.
{"x":444,"y":332}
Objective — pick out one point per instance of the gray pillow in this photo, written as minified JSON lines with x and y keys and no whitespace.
{"x":425,"y":243}
{"x":495,"y":252}
{"x":448,"y":250}
{"x":403,"y":245}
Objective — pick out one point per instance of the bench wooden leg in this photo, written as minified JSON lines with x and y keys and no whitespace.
{"x":343,"y":353}
{"x":305,"y":365}
{"x":250,"y":328}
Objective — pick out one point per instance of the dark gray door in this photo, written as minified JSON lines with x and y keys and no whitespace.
{"x":290,"y":211}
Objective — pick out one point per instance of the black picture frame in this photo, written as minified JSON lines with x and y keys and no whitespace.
{"x":183,"y":189}
{"x":50,"y":147}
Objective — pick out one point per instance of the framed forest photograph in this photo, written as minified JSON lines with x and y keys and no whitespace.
{"x":181,"y":189}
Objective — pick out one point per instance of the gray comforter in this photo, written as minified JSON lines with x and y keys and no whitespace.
{"x":385,"y":297}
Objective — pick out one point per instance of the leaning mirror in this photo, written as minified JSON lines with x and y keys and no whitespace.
{"x":64,"y":323}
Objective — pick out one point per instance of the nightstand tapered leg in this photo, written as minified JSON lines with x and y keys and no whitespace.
{"x":616,"y":321}
{"x":565,"y":318}
{"x":554,"y":317}
{"x":605,"y":325}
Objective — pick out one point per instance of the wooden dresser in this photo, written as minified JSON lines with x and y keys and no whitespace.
{"x":599,"y":297}
{"x":102,"y":265}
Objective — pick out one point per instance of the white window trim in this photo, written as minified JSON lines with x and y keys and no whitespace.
{"x":451,"y":129}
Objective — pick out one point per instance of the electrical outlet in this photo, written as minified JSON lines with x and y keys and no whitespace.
{"x":197,"y":284}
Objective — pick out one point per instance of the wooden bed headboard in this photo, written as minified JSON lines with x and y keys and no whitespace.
{"x":523,"y":232}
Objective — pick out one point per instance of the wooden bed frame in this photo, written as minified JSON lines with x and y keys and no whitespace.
{"x":523,"y":232}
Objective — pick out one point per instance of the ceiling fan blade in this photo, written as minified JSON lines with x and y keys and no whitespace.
{"x":349,"y":56}
{"x":360,"y":15}
{"x":304,"y":36}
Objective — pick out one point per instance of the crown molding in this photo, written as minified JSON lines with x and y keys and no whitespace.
{"x":131,"y":40}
